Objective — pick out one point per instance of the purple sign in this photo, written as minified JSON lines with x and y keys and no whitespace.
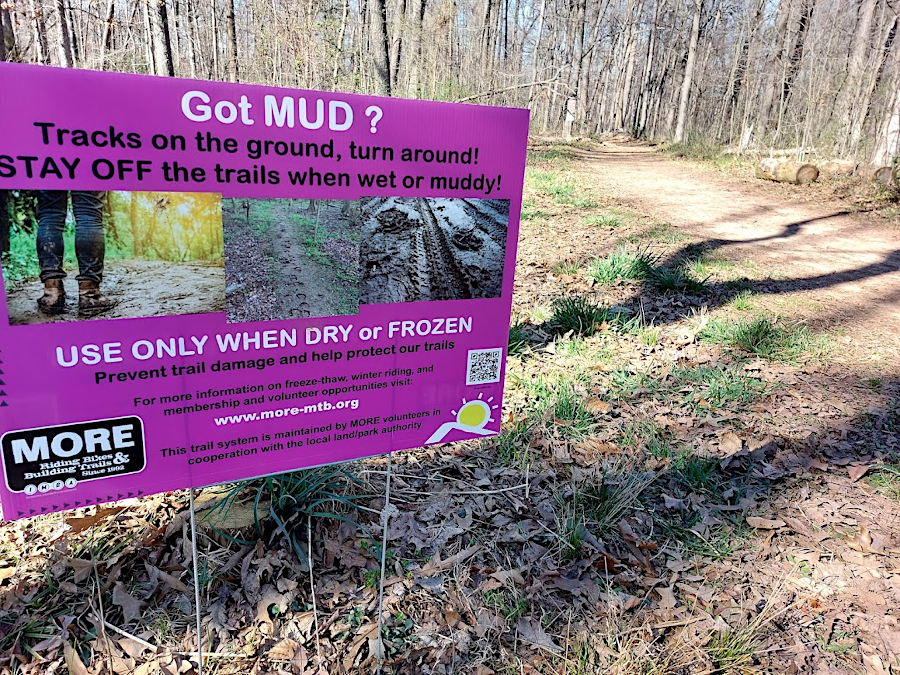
{"x":206,"y":282}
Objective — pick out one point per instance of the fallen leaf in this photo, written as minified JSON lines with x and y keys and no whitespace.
{"x":858,"y":471}
{"x":131,"y":606}
{"x":730,"y":443}
{"x":764,"y":523}
{"x":73,"y":661}
{"x":597,"y":405}
{"x":531,"y":632}
{"x":284,"y":650}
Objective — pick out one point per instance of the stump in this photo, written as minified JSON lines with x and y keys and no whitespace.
{"x":786,"y":172}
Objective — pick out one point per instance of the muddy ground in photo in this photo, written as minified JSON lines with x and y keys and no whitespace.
{"x":289,"y":258}
{"x":416,"y":249}
{"x":142,"y":288}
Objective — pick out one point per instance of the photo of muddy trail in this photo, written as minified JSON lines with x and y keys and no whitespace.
{"x":290,"y":258}
{"x":418,"y":249}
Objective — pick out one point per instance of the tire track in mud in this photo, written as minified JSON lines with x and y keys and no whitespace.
{"x":490,"y":221}
{"x":441,"y":259}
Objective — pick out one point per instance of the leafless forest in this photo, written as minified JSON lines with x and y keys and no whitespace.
{"x":750,"y":73}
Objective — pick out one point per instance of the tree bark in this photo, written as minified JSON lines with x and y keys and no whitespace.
{"x":159,"y":30}
{"x":379,"y":45}
{"x":106,"y":40}
{"x":40,"y":32}
{"x":414,"y":60}
{"x":688,"y":73}
{"x":231,"y":28}
{"x":848,"y":99}
{"x":64,"y":41}
{"x":396,"y":43}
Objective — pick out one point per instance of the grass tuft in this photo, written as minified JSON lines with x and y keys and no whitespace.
{"x":765,"y":338}
{"x":576,"y":314}
{"x":622,"y":265}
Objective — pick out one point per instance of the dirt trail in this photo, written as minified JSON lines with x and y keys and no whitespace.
{"x":142,"y":288}
{"x":848,"y":264}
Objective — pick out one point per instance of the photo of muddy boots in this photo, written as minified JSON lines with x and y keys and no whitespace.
{"x":91,"y":301}
{"x":53,"y":301}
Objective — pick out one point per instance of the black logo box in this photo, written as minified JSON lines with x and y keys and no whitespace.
{"x":35,"y":449}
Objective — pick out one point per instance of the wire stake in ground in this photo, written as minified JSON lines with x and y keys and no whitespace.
{"x":196,"y":583}
{"x":386,"y":514}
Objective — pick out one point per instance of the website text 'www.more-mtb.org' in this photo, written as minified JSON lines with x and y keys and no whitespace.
{"x":312,"y":408}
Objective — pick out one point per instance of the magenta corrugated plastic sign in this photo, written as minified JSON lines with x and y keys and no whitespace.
{"x":206,"y":282}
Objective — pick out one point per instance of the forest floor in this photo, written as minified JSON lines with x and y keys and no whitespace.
{"x":698,"y":473}
{"x":283,"y":262}
{"x":142,"y":288}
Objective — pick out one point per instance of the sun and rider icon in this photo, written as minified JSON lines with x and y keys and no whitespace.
{"x":472,"y":417}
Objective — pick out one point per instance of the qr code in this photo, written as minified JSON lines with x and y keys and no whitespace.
{"x":484,"y":366}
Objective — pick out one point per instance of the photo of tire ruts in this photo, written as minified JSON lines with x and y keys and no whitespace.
{"x":290,"y":258}
{"x":419,"y":249}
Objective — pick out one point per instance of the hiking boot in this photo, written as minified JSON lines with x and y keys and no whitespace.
{"x":91,"y":301}
{"x":53,"y":301}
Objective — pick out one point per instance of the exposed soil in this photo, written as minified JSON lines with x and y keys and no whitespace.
{"x":281,"y":269}
{"x":845,"y":266}
{"x":432,"y":249}
{"x":142,"y":288}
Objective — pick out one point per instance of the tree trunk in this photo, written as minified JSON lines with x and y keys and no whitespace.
{"x":8,"y":49}
{"x":106,"y":40}
{"x":848,"y":99}
{"x":231,"y":28}
{"x":162,"y":47}
{"x":379,"y":45}
{"x":42,"y":50}
{"x":64,"y":41}
{"x":786,"y":172}
{"x":688,"y":73}
{"x":396,"y":43}
{"x":887,"y":149}
{"x":416,"y":57}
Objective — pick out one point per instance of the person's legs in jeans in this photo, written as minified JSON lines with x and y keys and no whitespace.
{"x":51,"y":214}
{"x":90,"y":244}
{"x":90,"y":247}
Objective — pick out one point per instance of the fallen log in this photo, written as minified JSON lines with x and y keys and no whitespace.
{"x":786,"y":172}
{"x":838,"y":167}
{"x":882,"y":174}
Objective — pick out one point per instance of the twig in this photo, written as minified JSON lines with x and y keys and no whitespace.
{"x":125,"y":633}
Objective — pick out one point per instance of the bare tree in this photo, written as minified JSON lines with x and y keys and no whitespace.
{"x":688,"y":73}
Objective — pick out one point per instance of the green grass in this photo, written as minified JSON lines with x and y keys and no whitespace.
{"x":766,"y":338}
{"x":887,"y":481}
{"x":518,"y":339}
{"x":513,"y":446}
{"x":566,"y":266}
{"x":622,"y":265}
{"x":718,"y":386}
{"x":576,"y":314}
{"x":610,"y":218}
{"x":743,"y":301}
{"x":531,"y":212}
{"x":675,"y":280}
{"x":646,"y":434}
{"x":563,"y":187}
